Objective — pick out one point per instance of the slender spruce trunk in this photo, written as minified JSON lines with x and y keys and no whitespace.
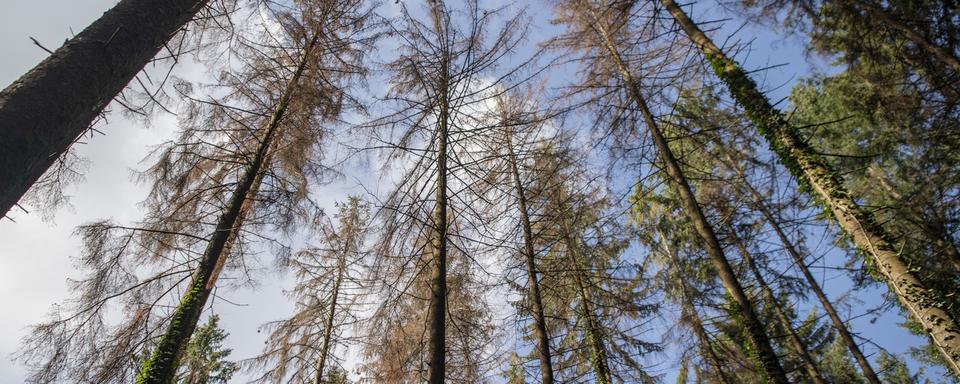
{"x":436,"y":369}
{"x":536,"y":303}
{"x":162,"y":365}
{"x":49,"y":107}
{"x":754,"y":327}
{"x":595,"y":336}
{"x":689,"y":314}
{"x":328,"y":325}
{"x":943,"y":55}
{"x":796,"y":343}
{"x":813,"y":172}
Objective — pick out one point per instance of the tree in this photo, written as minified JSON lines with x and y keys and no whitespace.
{"x":604,"y":25}
{"x":244,"y":162}
{"x":300,"y":349}
{"x":205,"y":359}
{"x":47,"y":109}
{"x":809,"y":167}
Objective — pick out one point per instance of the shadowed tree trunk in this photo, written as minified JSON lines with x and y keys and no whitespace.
{"x":436,"y":369}
{"x":536,"y":304}
{"x":754,"y":327}
{"x":812,"y":171}
{"x":161,"y":367}
{"x":49,"y":107}
{"x":798,"y":345}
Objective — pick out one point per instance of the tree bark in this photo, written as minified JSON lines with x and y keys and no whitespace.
{"x":798,"y":345}
{"x":49,"y":107}
{"x":162,"y":365}
{"x":436,"y":369}
{"x":813,"y":172}
{"x":536,"y":303}
{"x":754,"y":327}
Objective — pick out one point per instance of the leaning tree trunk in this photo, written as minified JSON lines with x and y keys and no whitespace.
{"x":754,"y":327}
{"x":49,"y":107}
{"x":812,"y":171}
{"x":793,"y":339}
{"x":760,"y":205}
{"x":595,"y":335}
{"x":161,"y":367}
{"x":536,"y":303}
{"x":688,"y":314}
{"x":943,"y":55}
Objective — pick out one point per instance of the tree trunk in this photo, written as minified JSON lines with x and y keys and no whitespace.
{"x":798,"y":345}
{"x":943,"y":55}
{"x":436,"y":369}
{"x":49,"y":107}
{"x":536,"y":304}
{"x":812,"y":171}
{"x":688,"y":314}
{"x":161,"y":367}
{"x":755,"y":329}
{"x":328,"y":326}
{"x":838,"y":323}
{"x":595,"y":335}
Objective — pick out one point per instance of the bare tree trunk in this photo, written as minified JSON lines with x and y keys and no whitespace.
{"x":49,"y":107}
{"x":436,"y":370}
{"x":536,"y":304}
{"x":161,"y":367}
{"x":798,"y":345}
{"x":755,"y":329}
{"x":813,"y":171}
{"x":328,"y":325}
{"x":595,"y":335}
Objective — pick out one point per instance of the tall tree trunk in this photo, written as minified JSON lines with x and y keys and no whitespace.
{"x":595,"y":336}
{"x":436,"y":369}
{"x":536,"y":304}
{"x":754,"y":327}
{"x":161,"y":367}
{"x":812,"y":171}
{"x":49,"y":107}
{"x":798,"y":345}
{"x":943,"y":55}
{"x":689,"y":314}
{"x":328,"y":325}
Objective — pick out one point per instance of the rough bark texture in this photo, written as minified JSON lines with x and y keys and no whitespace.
{"x":793,"y":339}
{"x":817,"y":176}
{"x":754,"y":327}
{"x":49,"y":107}
{"x":533,"y":285}
{"x":162,"y":365}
